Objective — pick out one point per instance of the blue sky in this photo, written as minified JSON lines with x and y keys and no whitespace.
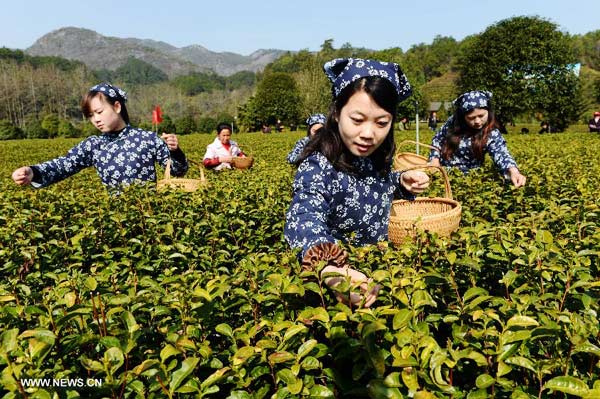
{"x":245,"y":26}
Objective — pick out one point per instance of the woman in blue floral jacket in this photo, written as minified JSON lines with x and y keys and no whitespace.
{"x":344,"y":186}
{"x":122,"y":155}
{"x":470,"y":133}
{"x":314,"y":124}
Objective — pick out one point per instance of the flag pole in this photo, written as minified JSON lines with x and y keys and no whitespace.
{"x":417,"y":123}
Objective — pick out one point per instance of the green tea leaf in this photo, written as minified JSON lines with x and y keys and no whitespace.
{"x":568,"y":384}
{"x":306,"y":348}
{"x":179,"y":376}
{"x":484,"y":381}
{"x":168,"y":351}
{"x":402,"y":318}
{"x":522,"y":321}
{"x":242,"y":355}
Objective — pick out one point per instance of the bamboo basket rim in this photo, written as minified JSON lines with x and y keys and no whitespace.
{"x":181,"y":183}
{"x":405,"y":158}
{"x":246,"y":162}
{"x":445,"y":221}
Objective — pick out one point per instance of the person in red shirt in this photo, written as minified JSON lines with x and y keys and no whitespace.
{"x":220,"y":152}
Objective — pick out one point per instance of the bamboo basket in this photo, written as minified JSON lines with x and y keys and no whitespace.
{"x":179,"y":183}
{"x":439,"y":215}
{"x":242,"y":162}
{"x":406,"y":160}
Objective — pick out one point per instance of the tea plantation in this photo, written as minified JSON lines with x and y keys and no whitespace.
{"x":176,"y":295}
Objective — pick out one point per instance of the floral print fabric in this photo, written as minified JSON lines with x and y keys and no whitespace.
{"x":294,"y":155}
{"x":330,"y":205}
{"x":111,"y":91}
{"x":473,"y":99}
{"x":343,"y":71}
{"x":314,"y":119}
{"x":119,"y":158}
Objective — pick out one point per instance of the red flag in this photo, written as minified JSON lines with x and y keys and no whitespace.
{"x":156,"y":115}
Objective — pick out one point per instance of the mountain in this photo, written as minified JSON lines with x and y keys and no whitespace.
{"x":104,"y":52}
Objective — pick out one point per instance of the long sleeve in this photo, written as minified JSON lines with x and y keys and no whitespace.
{"x":179,"y":164}
{"x":401,"y":192}
{"x":55,"y":170}
{"x":211,"y":162}
{"x":294,"y":155}
{"x":307,"y":218}
{"x":210,"y":153}
{"x":498,"y":150}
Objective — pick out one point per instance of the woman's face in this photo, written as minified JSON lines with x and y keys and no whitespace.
{"x":476,"y":118}
{"x":224,"y":136}
{"x":363,"y":124}
{"x":105,"y":116}
{"x":314,"y":128}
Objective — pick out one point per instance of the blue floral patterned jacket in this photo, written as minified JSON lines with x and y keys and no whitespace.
{"x":330,"y":205}
{"x":294,"y":155}
{"x":464,"y":159}
{"x":119,"y":158}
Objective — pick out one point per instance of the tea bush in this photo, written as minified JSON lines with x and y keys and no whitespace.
{"x":176,"y":294}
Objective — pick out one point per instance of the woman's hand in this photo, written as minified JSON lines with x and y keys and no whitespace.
{"x":435,"y":162}
{"x":517,"y":179}
{"x":23,"y":176}
{"x":367,"y":294}
{"x":226,"y":159}
{"x":414,"y":181}
{"x":171,"y":141}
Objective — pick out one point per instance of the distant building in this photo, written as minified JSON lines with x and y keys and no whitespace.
{"x":436,"y":105}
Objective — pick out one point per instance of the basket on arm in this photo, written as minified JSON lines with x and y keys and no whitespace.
{"x":242,"y":162}
{"x":439,"y":215}
{"x":405,"y":160}
{"x":179,"y":183}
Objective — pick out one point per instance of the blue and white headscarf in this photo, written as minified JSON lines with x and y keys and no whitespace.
{"x":473,"y":99}
{"x":111,"y":91}
{"x":314,"y":119}
{"x":343,"y":71}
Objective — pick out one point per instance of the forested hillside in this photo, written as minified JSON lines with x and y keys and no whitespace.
{"x":39,"y":96}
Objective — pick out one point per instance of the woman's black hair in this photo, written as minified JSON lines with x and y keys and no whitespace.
{"x":460,"y":128}
{"x":87,"y":99}
{"x":223,"y":126}
{"x":329,"y":142}
{"x":310,"y":126}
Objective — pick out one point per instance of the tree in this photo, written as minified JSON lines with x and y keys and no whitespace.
{"x":50,"y":124}
{"x":185,"y":125}
{"x":8,"y":131}
{"x":314,"y":89}
{"x":34,"y":130}
{"x":240,"y":79}
{"x":207,"y":124}
{"x":526,"y":63}
{"x":66,"y":129}
{"x":408,"y":107}
{"x":167,"y":125}
{"x":135,"y":71}
{"x":198,"y":82}
{"x":277,"y":97}
{"x":589,"y":49}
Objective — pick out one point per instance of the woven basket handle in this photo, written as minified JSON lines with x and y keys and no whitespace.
{"x":417,"y":143}
{"x":168,"y":169}
{"x":441,"y":170}
{"x":200,"y":166}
